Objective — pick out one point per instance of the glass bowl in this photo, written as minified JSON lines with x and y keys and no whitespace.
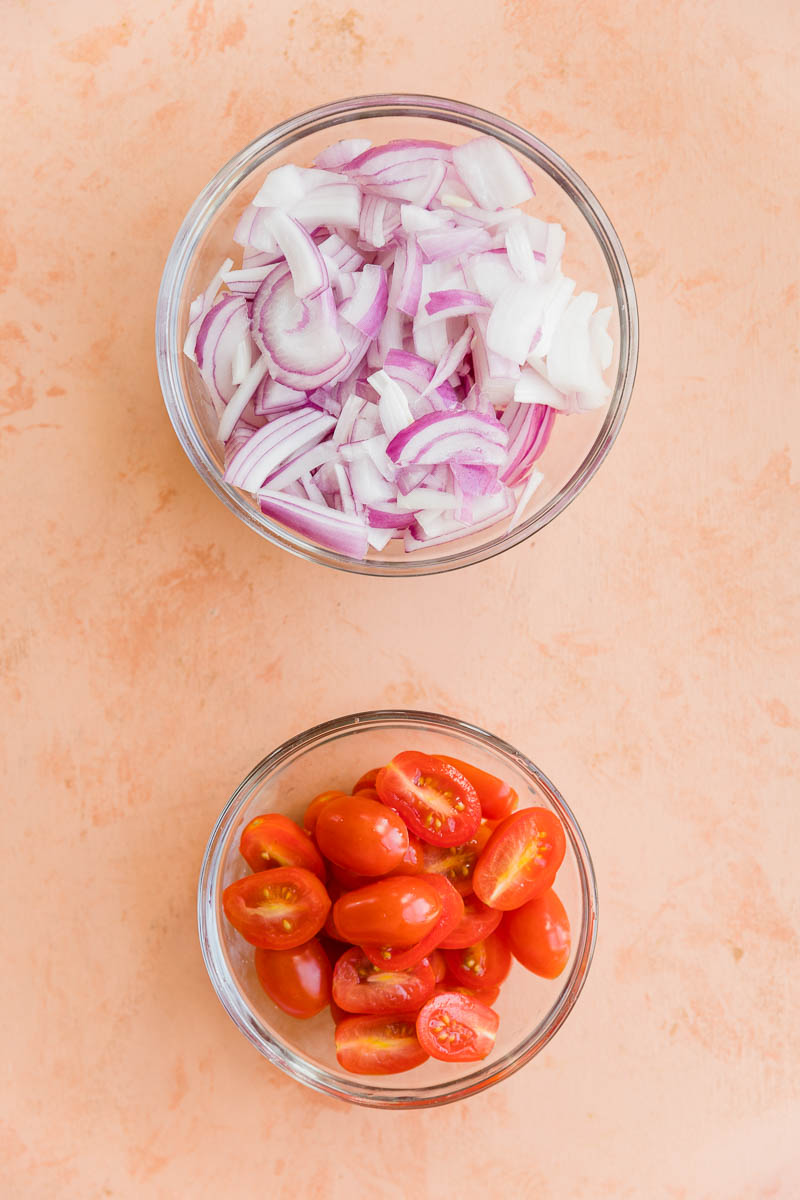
{"x":334,"y":755}
{"x":593,"y":256}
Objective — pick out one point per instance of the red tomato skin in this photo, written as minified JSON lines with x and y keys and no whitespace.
{"x":258,"y":904}
{"x":454,"y":1027}
{"x":366,"y":781}
{"x":397,"y":911}
{"x":348,"y":881}
{"x":478,"y":922}
{"x":297,"y":980}
{"x":486,"y":996}
{"x":534,"y":838}
{"x":424,"y":791}
{"x":497,"y":798}
{"x":456,"y":863}
{"x":412,"y":862}
{"x":538,"y":934}
{"x":311,"y":815}
{"x":273,"y":840}
{"x":438,"y":965}
{"x":484,"y":965}
{"x":361,"y":835}
{"x":451,"y":914}
{"x":361,"y":987}
{"x":378,"y":1045}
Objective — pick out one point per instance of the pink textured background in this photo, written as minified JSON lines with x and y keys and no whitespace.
{"x":643,"y":650}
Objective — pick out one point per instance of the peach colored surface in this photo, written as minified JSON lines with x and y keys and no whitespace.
{"x":643,"y":650}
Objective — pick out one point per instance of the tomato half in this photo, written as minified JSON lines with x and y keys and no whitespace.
{"x":311,"y":815}
{"x":477,"y":923}
{"x":539,"y":935}
{"x":520,"y":859}
{"x":273,"y":840}
{"x":398,"y":911}
{"x":297,"y":980}
{"x":378,"y":1045}
{"x":454,"y":1027}
{"x":367,"y":780}
{"x":497,"y":798}
{"x":484,"y":965}
{"x":412,"y":862}
{"x":348,"y":881}
{"x":451,"y":914}
{"x":456,"y":863}
{"x":438,"y":965}
{"x":361,"y":835}
{"x":486,"y":996}
{"x":277,"y":909}
{"x":361,"y":987}
{"x":436,"y":802}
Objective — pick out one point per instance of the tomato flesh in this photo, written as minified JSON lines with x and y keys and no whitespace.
{"x":412,"y":862}
{"x":456,"y":863}
{"x":277,"y":909}
{"x":297,"y":980}
{"x":454,"y":1027}
{"x":438,"y":965}
{"x":477,"y":923}
{"x":361,"y":835}
{"x":361,"y":987}
{"x":539,"y":935}
{"x":273,"y":840}
{"x":497,"y":799}
{"x":436,"y":802}
{"x":486,"y":996}
{"x":483,"y":965}
{"x":378,"y":1045}
{"x":450,"y":917}
{"x":520,"y":859}
{"x":398,"y":911}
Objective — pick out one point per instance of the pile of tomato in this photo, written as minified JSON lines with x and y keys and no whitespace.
{"x":400,"y":907}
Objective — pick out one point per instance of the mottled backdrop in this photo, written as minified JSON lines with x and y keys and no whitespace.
{"x":643,"y":648}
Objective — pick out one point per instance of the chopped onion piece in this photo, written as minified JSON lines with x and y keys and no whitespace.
{"x":534,"y":479}
{"x":337,"y":531}
{"x":491,"y":173}
{"x":241,"y":398}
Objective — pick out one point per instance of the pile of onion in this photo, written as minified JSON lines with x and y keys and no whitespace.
{"x":390,"y":357}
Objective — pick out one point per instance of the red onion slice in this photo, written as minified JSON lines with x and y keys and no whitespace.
{"x":491,"y":173}
{"x":366,"y":308}
{"x":303,"y":257}
{"x":299,"y":338}
{"x":337,"y":531}
{"x":443,"y":437}
{"x":220,"y":333}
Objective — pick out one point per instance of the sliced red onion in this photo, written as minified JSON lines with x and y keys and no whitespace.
{"x":443,"y":437}
{"x":474,"y":480}
{"x":382,"y":414}
{"x":241,"y":398}
{"x":337,"y":531}
{"x":303,"y":257}
{"x":529,"y":428}
{"x":534,"y":480}
{"x":221,"y":331}
{"x":200,"y":306}
{"x":491,"y":173}
{"x":273,"y":399}
{"x":450,"y":361}
{"x":301,"y":464}
{"x":273,"y":445}
{"x":299,"y":338}
{"x":393,"y":407}
{"x":336,"y":204}
{"x":438,"y":244}
{"x":533,"y":388}
{"x":366,"y":308}
{"x":286,"y":185}
{"x":406,"y":285}
{"x":254,"y":230}
{"x":571,"y":362}
{"x":455,"y":303}
{"x":335,"y":156}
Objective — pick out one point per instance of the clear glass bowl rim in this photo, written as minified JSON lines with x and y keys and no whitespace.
{"x":358,"y":1091}
{"x":213,"y":196}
